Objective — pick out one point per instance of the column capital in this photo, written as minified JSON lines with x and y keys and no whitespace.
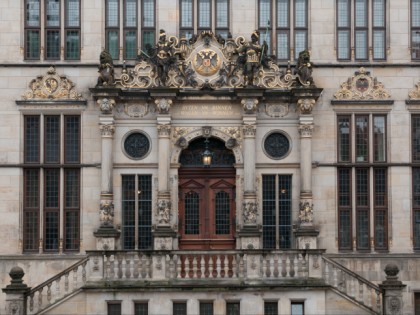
{"x":249,"y":131}
{"x":163,"y":105}
{"x":305,"y":130}
{"x":305,"y":105}
{"x":106,"y":105}
{"x":107,"y":130}
{"x":164,"y":131}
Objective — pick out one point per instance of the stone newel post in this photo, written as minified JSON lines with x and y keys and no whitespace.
{"x":306,"y":234}
{"x":15,"y":293}
{"x":392,"y":291}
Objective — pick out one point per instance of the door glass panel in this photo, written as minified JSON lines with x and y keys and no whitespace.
{"x":192,"y":213}
{"x":222,"y":205}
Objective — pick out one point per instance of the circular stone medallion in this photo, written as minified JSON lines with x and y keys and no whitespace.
{"x":207,"y":62}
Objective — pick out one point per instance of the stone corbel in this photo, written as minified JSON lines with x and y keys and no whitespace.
{"x":106,"y":105}
{"x":306,"y":105}
{"x":107,"y":131}
{"x":250,"y":105}
{"x":163,"y":105}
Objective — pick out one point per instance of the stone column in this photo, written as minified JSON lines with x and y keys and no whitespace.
{"x":163,"y":232}
{"x":306,"y":233}
{"x":16,"y":293}
{"x":392,"y":291}
{"x":251,"y":229}
{"x":106,"y":234}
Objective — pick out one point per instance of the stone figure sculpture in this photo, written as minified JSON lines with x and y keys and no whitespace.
{"x":163,"y":57}
{"x":106,"y":69}
{"x":304,"y":68}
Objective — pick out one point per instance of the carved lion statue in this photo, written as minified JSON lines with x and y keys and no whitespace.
{"x":106,"y":69}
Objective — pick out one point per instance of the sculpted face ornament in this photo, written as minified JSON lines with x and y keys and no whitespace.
{"x":207,"y":62}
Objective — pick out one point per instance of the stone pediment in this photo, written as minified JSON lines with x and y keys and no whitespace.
{"x":52,"y":87}
{"x":361,"y":87}
{"x":207,"y":62}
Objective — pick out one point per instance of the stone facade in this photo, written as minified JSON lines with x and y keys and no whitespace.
{"x":242,"y":118}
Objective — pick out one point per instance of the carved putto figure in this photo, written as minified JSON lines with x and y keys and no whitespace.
{"x":250,"y":212}
{"x":106,"y":69}
{"x":106,"y":213}
{"x":304,"y":68}
{"x":306,"y":212}
{"x":164,"y":211}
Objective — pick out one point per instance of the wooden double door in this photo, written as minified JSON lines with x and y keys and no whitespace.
{"x":207,"y":208}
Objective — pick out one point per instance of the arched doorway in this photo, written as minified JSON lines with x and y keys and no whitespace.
{"x":207,"y":197}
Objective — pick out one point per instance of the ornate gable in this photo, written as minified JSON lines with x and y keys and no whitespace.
{"x":52,"y":86}
{"x":362,"y":87}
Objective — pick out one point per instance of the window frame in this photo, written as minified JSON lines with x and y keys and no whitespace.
{"x":145,"y":29}
{"x":343,"y":28}
{"x":379,"y":28}
{"x":109,"y":29}
{"x":220,"y":29}
{"x":186,"y":29}
{"x":414,"y":29}
{"x":55,"y":28}
{"x":297,"y":29}
{"x":68,"y":28}
{"x":364,"y":29}
{"x":29,"y":28}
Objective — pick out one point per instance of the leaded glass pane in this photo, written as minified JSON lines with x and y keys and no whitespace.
{"x":379,"y":138}
{"x":30,"y":230}
{"x":266,"y":36}
{"x":72,"y":230}
{"x":415,"y":13}
{"x":264,"y":13}
{"x":72,"y":13}
{"x":232,"y":308}
{"x":378,"y":44}
{"x":145,"y":211}
{"x":416,"y":207}
{"x":222,"y":205}
{"x":285,"y":211}
{"x":222,"y":13}
{"x":344,"y":233}
{"x":32,"y":48}
{"x":113,"y":44}
{"x":269,"y":211}
{"x":72,"y":139}
{"x":270,"y":308}
{"x":276,"y":145}
{"x":301,"y":13}
{"x":52,"y":223}
{"x":206,"y":308}
{"x":362,"y":227}
{"x":72,"y":188}
{"x":53,"y":44}
{"x":114,"y":309}
{"x":192,"y":213}
{"x":380,"y":181}
{"x":378,"y":13}
{"x":186,"y":34}
{"x":297,"y":308}
{"x":344,"y":139}
{"x":186,"y":13}
{"x":32,"y":13}
{"x":415,"y":44}
{"x":137,"y":145}
{"x":283,"y":46}
{"x":179,"y":308}
{"x":52,"y":139}
{"x":130,"y":45}
{"x":416,"y":228}
{"x":148,"y":39}
{"x":112,"y":13}
{"x":283,"y":13}
{"x":344,"y":188}
{"x":343,"y":43}
{"x":52,"y":188}
{"x":31,"y":199}
{"x":204,"y":16}
{"x":362,"y":138}
{"x":416,"y":188}
{"x":361,"y":13}
{"x":415,"y":138}
{"x":53,"y":13}
{"x":141,"y":309}
{"x":343,"y":13}
{"x":72,"y":45}
{"x":362,"y":187}
{"x":130,"y":11}
{"x":148,"y":13}
{"x":361,"y":44}
{"x":128,"y":199}
{"x":32,"y":136}
{"x":300,"y":42}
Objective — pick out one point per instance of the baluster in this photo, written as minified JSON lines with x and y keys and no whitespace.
{"x":234,"y":267}
{"x":31,"y":302}
{"x":148,"y":267}
{"x":369,"y":301}
{"x":57,"y":289}
{"x":271,"y":266}
{"x":304,"y":266}
{"x":84,"y":272}
{"x":361,"y":292}
{"x":218,"y":269}
{"x":195,"y":267}
{"x":210,"y":266}
{"x":293,"y":264}
{"x":178,"y":262}
{"x":131,"y":267}
{"x":40,"y":298}
{"x":115,"y":265}
{"x":327,"y":272}
{"x":353,"y":288}
{"x":378,"y":301}
{"x":136,"y":268}
{"x":202,"y":267}
{"x":107,"y":260}
{"x":143,"y":266}
{"x":49,"y":293}
{"x":75,"y":278}
{"x":120,"y":258}
{"x":276,"y":265}
{"x":187,"y":266}
{"x":335,"y":280}
{"x":171,"y":267}
{"x":66,"y":282}
{"x":226,"y":266}
{"x":284,"y":265}
{"x":123,"y":266}
{"x":288,"y":260}
{"x":241,"y":266}
{"x":264,"y":266}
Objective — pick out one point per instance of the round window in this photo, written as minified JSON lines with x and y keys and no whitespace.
{"x":276,"y":145}
{"x":136,"y":145}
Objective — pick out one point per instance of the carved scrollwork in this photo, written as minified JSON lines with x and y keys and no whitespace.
{"x":362,"y":86}
{"x":415,"y":93}
{"x":51,"y":87}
